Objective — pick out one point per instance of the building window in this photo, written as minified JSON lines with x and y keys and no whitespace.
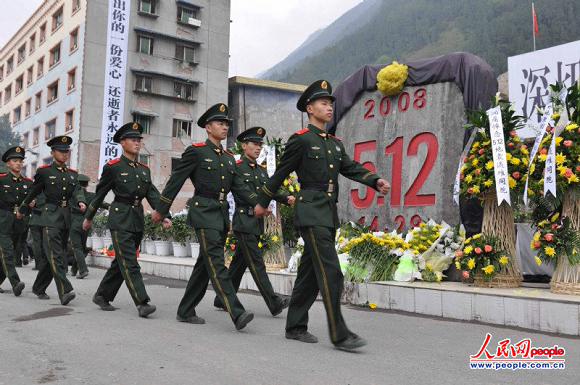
{"x":32,"y":43}
{"x":50,"y":129}
{"x":7,"y":94}
{"x":16,"y":115}
{"x":145,"y":45}
{"x":42,"y":33}
{"x":52,"y":92}
{"x":185,"y":53}
{"x":33,"y":167}
{"x":19,"y":84}
{"x":57,"y":18}
{"x":21,"y":53}
{"x":69,"y":120}
{"x":35,"y":135}
{"x":9,"y":65}
{"x":47,"y":160}
{"x":143,"y":83}
{"x":27,"y":108}
{"x":40,"y":68}
{"x":25,"y":139}
{"x":144,"y":121}
{"x":30,"y":75}
{"x":181,"y":128}
{"x":54,"y":56}
{"x":185,"y":13}
{"x":76,"y":5}
{"x":144,"y":159}
{"x":38,"y":101}
{"x":147,"y":6}
{"x":183,"y":91}
{"x":72,"y":80}
{"x":74,"y":39}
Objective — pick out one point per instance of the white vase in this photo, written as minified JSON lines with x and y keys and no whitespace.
{"x":194,"y":250}
{"x":97,"y":242}
{"x":89,"y":242}
{"x":162,"y":248}
{"x":181,"y":250}
{"x":149,"y":247}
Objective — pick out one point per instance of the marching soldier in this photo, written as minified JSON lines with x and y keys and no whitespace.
{"x":13,"y":190}
{"x":59,"y":184}
{"x":318,"y":158}
{"x":78,"y":237}
{"x":212,"y":170}
{"x":248,"y":228}
{"x":35,"y":225}
{"x":131,"y":183}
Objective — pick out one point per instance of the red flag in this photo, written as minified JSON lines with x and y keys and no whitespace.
{"x":535,"y":19}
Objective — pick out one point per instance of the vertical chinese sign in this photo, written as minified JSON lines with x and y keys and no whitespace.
{"x":115,"y":74}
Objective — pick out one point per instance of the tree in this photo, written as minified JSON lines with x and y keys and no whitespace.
{"x":8,"y":138}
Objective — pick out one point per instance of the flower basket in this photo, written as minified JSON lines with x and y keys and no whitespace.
{"x":566,"y":278}
{"x":500,"y":280}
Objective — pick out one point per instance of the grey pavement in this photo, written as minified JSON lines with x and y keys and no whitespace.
{"x":45,"y":343}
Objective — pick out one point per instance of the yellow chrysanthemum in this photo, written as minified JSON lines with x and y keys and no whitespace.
{"x":275,"y":238}
{"x":471,"y":263}
{"x":391,"y":79}
{"x":489,"y":165}
{"x":260,"y":245}
{"x":469,"y":178}
{"x":538,"y":261}
{"x":515,"y":161}
{"x":508,"y":156}
{"x":555,"y":116}
{"x":550,"y":251}
{"x":543,"y":157}
{"x":555,"y":217}
{"x":573,"y":179}
{"x":489,"y":269}
{"x":512,"y":182}
{"x":572,"y":127}
{"x":297,"y":188}
{"x":372,"y":306}
{"x":475,"y":162}
{"x":476,"y":236}
{"x":476,"y":189}
{"x":468,"y":250}
{"x":488,"y":183}
{"x":503,"y":260}
{"x":458,"y":265}
{"x":532,"y":168}
{"x":286,"y":183}
{"x":537,"y":236}
{"x":559,"y":140}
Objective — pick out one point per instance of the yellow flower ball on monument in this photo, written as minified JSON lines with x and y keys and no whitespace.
{"x":391,"y":79}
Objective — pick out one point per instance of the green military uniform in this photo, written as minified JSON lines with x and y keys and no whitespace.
{"x":318,"y":158}
{"x":248,"y":228}
{"x":35,"y":225}
{"x":131,"y":182}
{"x":19,"y":239}
{"x":78,"y":237}
{"x":13,"y":190}
{"x":59,"y":184}
{"x":211,"y":170}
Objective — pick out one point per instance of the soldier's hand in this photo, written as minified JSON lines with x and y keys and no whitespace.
{"x":156,"y":217}
{"x":83,"y":207}
{"x":383,"y":186}
{"x":19,"y":215}
{"x":32,"y":204}
{"x":291,"y":200}
{"x":167,"y":223}
{"x":87,"y":224}
{"x":259,"y":211}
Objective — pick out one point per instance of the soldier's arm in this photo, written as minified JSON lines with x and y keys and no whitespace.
{"x":289,"y":161}
{"x":241,"y":190}
{"x":281,"y":196}
{"x":355,"y":171}
{"x":153,"y":196}
{"x":184,"y":169}
{"x":37,"y":188}
{"x":79,"y":194}
{"x":105,"y":185}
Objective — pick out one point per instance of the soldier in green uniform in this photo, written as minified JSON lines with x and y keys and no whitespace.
{"x":59,"y":184}
{"x":318,"y":158}
{"x":13,"y":190}
{"x":131,"y":183}
{"x":211,"y":169}
{"x":35,"y":226}
{"x":78,"y":237}
{"x":248,"y":228}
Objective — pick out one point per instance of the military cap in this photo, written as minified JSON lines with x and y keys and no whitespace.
{"x":254,"y":134}
{"x":317,"y":90}
{"x":216,"y":112}
{"x":129,"y":130}
{"x":60,"y":143}
{"x":83,"y":179}
{"x":12,"y":153}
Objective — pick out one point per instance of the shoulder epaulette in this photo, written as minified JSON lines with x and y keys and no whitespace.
{"x":335,"y":137}
{"x":113,"y":161}
{"x":144,"y":165}
{"x":45,"y":166}
{"x":239,"y":161}
{"x":73,"y":170}
{"x":303,"y":131}
{"x":3,"y":175}
{"x":200,"y":144}
{"x":229,"y":152}
{"x":27,"y":179}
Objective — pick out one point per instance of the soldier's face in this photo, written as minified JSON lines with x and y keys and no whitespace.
{"x":321,"y":110}
{"x":60,"y":156}
{"x":252,"y":149}
{"x":131,"y":146}
{"x":218,"y":129}
{"x":15,"y":165}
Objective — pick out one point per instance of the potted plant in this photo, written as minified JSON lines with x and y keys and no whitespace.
{"x":163,"y":243}
{"x":149,"y":235}
{"x":180,"y":234}
{"x":99,"y":226}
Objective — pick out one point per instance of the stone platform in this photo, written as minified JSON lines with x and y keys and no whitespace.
{"x":534,"y":308}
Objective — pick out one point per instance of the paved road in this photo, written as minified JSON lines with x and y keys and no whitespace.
{"x":45,"y":343}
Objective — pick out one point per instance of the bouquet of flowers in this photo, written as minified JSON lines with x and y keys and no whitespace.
{"x":231,"y":246}
{"x":441,"y":256}
{"x":481,"y":256}
{"x":423,"y":237}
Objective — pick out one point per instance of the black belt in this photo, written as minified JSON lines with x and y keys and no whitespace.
{"x":128,"y":201}
{"x":218,"y":196}
{"x":326,"y":187}
{"x":62,"y":203}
